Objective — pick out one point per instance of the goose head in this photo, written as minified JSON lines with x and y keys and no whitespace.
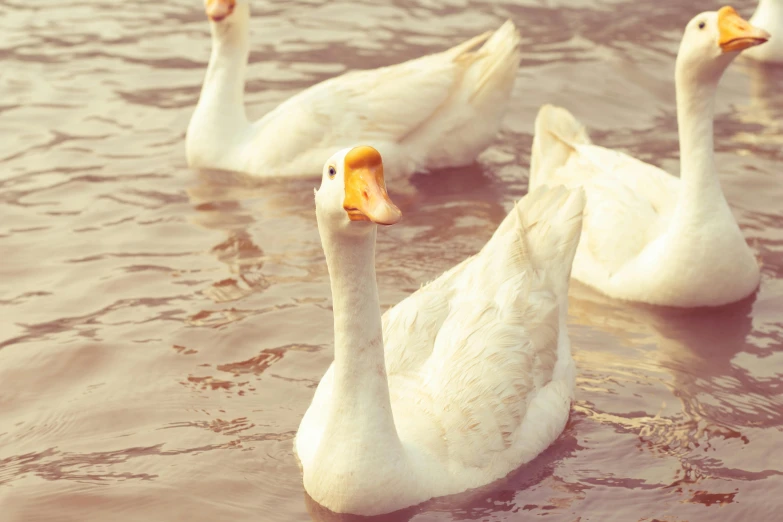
{"x":226,"y":12}
{"x":352,"y":197}
{"x":713,"y":39}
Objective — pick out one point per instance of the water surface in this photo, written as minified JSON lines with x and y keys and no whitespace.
{"x":162,"y":330}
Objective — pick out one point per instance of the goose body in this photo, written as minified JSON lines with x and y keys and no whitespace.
{"x":649,"y":236}
{"x":457,"y":385}
{"x":769,"y":16}
{"x":437,"y":111}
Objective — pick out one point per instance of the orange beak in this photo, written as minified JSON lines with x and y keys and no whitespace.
{"x":365,"y":189}
{"x":736,"y":34}
{"x":217,"y":10}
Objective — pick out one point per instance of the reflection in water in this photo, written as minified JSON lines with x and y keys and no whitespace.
{"x":698,"y":350}
{"x":218,"y":200}
{"x":696,"y":346}
{"x":321,"y":514}
{"x":765,"y":110}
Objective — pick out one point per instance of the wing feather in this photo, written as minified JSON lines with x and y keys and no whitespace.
{"x":619,"y":189}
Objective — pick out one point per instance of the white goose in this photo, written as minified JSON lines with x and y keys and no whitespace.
{"x":434,"y":112}
{"x":459,"y":384}
{"x":769,"y":16}
{"x":649,"y":236}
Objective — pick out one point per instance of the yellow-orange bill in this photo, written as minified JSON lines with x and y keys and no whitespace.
{"x":736,"y":33}
{"x":217,"y":10}
{"x":366,"y":198}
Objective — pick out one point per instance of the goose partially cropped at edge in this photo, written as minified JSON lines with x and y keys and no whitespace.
{"x":433,"y":112}
{"x":769,"y":16}
{"x":457,"y":385}
{"x":648,"y":236}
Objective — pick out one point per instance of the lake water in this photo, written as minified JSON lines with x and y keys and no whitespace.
{"x":162,"y":330}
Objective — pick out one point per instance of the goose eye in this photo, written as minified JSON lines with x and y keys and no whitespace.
{"x":701,"y":25}
{"x":332,"y":172}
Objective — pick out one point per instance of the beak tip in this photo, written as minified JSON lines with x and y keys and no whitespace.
{"x":219,"y":10}
{"x":389,"y":216}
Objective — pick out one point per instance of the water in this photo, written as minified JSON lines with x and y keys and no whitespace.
{"x":163,"y":329}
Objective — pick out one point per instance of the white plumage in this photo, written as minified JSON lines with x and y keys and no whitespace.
{"x":769,"y":16}
{"x":478,"y":373}
{"x":437,"y":111}
{"x":649,"y":236}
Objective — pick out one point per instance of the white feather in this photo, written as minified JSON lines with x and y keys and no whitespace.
{"x":649,"y":236}
{"x":437,"y":111}
{"x":769,"y":16}
{"x":480,"y":373}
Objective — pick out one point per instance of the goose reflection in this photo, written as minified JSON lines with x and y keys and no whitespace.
{"x":696,"y":349}
{"x":765,"y":110}
{"x":227,"y":201}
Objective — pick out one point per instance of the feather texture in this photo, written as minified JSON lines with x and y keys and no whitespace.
{"x":634,"y":245}
{"x":479,"y":365}
{"x":437,"y":111}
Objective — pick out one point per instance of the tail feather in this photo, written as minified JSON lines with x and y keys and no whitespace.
{"x":552,"y":221}
{"x":496,"y":68}
{"x":467,"y":49}
{"x":544,"y":227}
{"x":468,"y":121}
{"x":557,"y":132}
{"x":492,"y":67}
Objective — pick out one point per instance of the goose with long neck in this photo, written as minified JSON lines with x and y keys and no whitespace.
{"x":437,"y":111}
{"x":457,"y":385}
{"x":648,"y":236}
{"x":769,"y":16}
{"x":219,"y":128}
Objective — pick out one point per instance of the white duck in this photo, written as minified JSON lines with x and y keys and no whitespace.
{"x":769,"y":16}
{"x":434,"y":112}
{"x":459,"y":384}
{"x":649,"y":236}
